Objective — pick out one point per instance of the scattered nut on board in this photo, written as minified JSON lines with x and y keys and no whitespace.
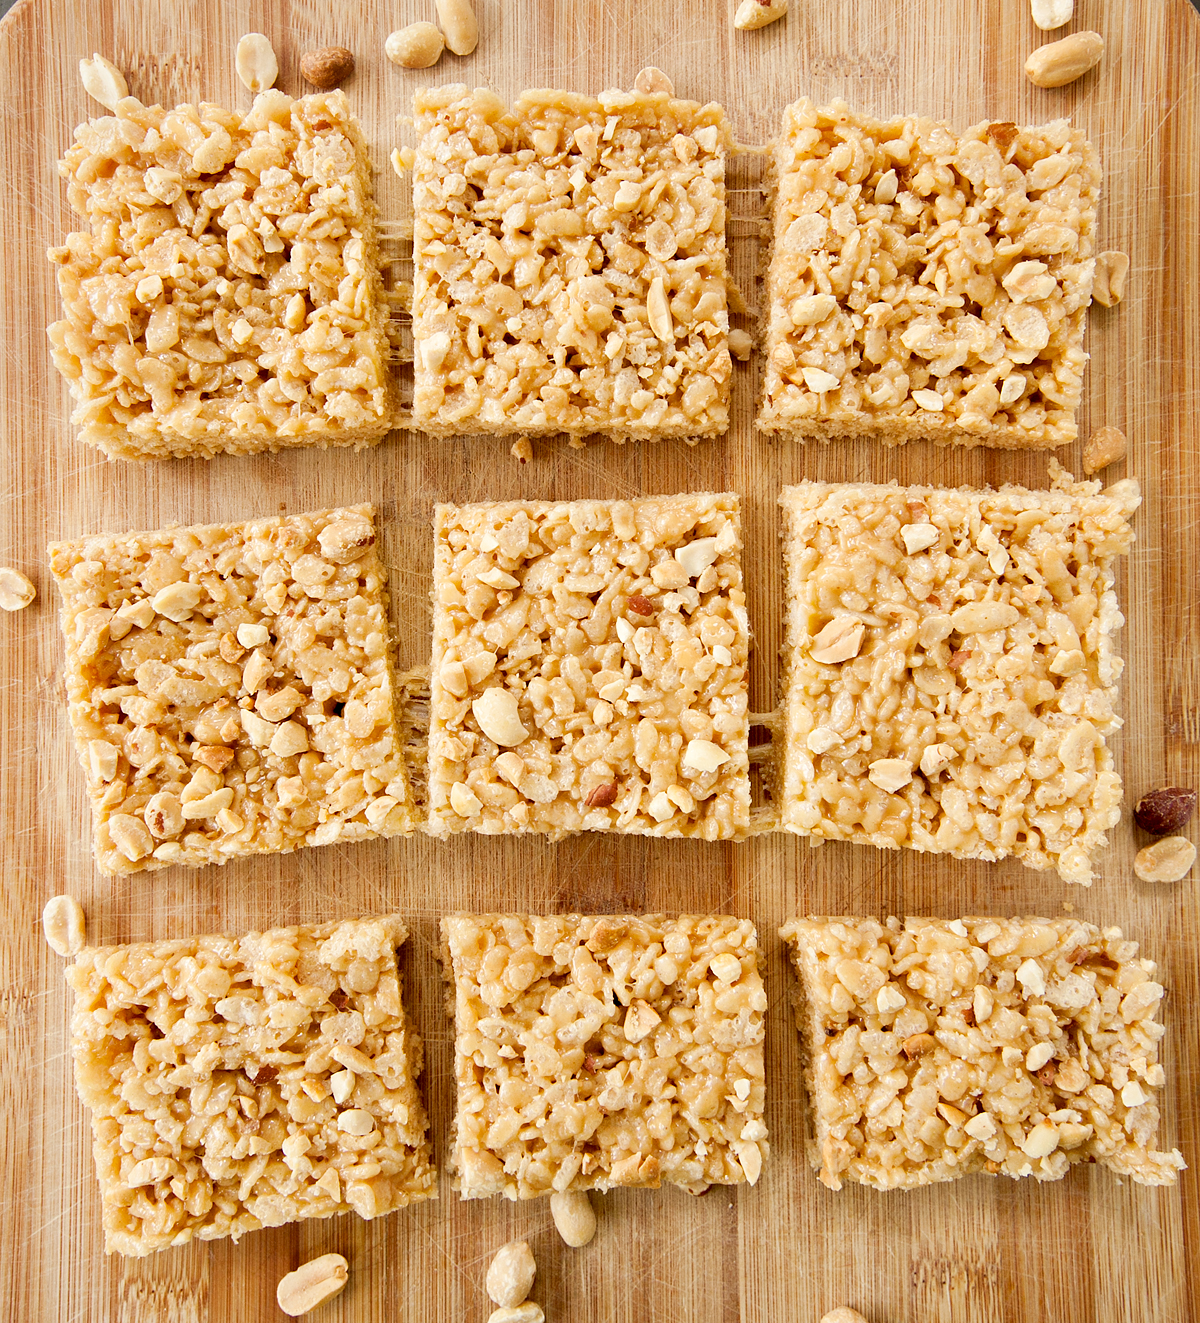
{"x":417,"y":46}
{"x":843,"y":1314}
{"x":1051,"y":14}
{"x":256,"y":64}
{"x":740,"y":345}
{"x":1165,"y":812}
{"x":527,"y":1312}
{"x":510,"y":1274}
{"x":1105,"y":446}
{"x":16,"y":592}
{"x":63,"y":924}
{"x":652,"y":79}
{"x":312,"y":1284}
{"x":1168,"y":860}
{"x":327,"y":67}
{"x":457,"y":18}
{"x":753,"y":14}
{"x":1061,"y":62}
{"x":1108,"y":287}
{"x":103,"y":81}
{"x":574,"y":1216}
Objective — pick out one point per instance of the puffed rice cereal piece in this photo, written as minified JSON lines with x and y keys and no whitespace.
{"x":925,"y":283}
{"x":207,"y":1065}
{"x":971,"y":714}
{"x":637,"y":1051}
{"x":1042,"y":1050}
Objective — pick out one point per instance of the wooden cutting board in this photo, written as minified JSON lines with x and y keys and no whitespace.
{"x":1087,"y":1248}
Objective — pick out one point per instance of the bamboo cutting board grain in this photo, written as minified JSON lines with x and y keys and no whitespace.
{"x":1086,"y":1248}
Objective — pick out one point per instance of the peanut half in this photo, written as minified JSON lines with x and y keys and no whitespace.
{"x":1167,"y":860}
{"x":1061,"y":62}
{"x":312,"y":1284}
{"x":415,"y":47}
{"x":1104,"y":447}
{"x":63,"y":925}
{"x":457,"y":18}
{"x":510,"y":1274}
{"x":574,"y":1216}
{"x":752,"y":14}
{"x":1108,"y":288}
{"x":16,"y":592}
{"x":256,"y":64}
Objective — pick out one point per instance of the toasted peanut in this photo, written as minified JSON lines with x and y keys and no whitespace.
{"x":601,"y":796}
{"x":574,"y":1216}
{"x":659,"y":311}
{"x":1051,"y":14}
{"x":356,"y":1122}
{"x":103,"y":81}
{"x":499,"y":717}
{"x":63,"y":925}
{"x":917,"y":1045}
{"x":1108,"y":287}
{"x":652,"y":79}
{"x":703,"y":756}
{"x":1167,"y":860}
{"x":740,"y":345}
{"x":752,"y":14}
{"x":525,"y":1312}
{"x":890,"y":774}
{"x":256,"y":64}
{"x":327,"y":67}
{"x":843,"y":1314}
{"x":16,"y":592}
{"x":1105,"y":446}
{"x":312,"y":1284}
{"x":415,"y":47}
{"x":1165,"y":812}
{"x":1061,"y":62}
{"x":838,"y":641}
{"x":510,"y":1274}
{"x":457,"y":18}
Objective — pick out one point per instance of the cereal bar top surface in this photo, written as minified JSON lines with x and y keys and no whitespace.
{"x":607,"y":1051}
{"x":225,"y":295}
{"x":951,"y":674}
{"x":927,"y":283}
{"x":589,"y":668}
{"x":570,"y":265}
{"x":936,"y":1048}
{"x":244,"y":1082}
{"x":230,"y":690}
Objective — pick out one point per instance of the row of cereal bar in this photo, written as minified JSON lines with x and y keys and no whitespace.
{"x":237,"y":1083}
{"x":950,"y":676}
{"x":570,"y":275}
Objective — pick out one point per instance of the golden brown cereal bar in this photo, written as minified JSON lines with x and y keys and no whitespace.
{"x":570,"y":265}
{"x":936,"y":1048}
{"x":950,"y":668}
{"x":225,"y":295}
{"x":230,"y":689}
{"x":599,"y":1052}
{"x":589,"y":668}
{"x":244,"y":1082}
{"x":927,"y":283}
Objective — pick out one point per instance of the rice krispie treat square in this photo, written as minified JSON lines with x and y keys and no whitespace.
{"x":924,"y":283}
{"x":230,"y":688}
{"x":592,"y":1053}
{"x":589,"y":668}
{"x":244,"y":1082}
{"x":950,"y":668}
{"x":935,"y":1048}
{"x":225,"y":295}
{"x":570,"y":265}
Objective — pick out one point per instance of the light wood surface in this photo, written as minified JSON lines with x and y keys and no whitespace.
{"x":1086,"y":1248}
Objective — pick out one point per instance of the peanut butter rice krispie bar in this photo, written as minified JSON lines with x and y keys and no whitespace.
{"x":950,"y":668}
{"x":599,"y":1052}
{"x":570,"y":265}
{"x":225,"y":294}
{"x":244,"y":1082}
{"x":924,"y":283}
{"x":589,"y":668}
{"x":230,"y":689}
{"x":935,"y":1048}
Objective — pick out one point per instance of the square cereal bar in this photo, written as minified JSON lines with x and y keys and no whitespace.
{"x":924,"y":283}
{"x":589,"y":668}
{"x":598,"y":1052}
{"x":243,"y":1082}
{"x":570,"y":265}
{"x":934,"y":1048}
{"x":950,"y":668}
{"x":225,"y":295}
{"x":230,"y":689}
